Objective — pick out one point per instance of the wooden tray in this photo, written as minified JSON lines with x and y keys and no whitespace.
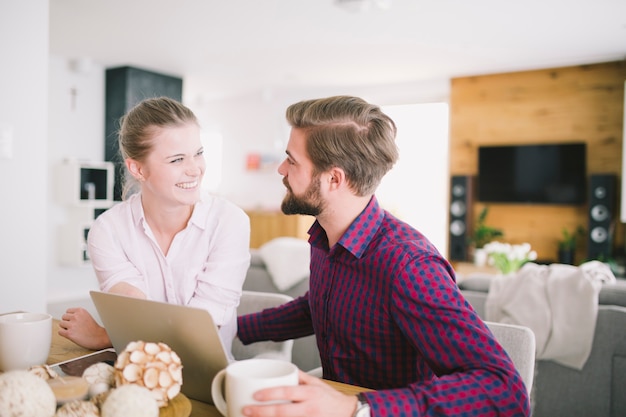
{"x":179,"y":406}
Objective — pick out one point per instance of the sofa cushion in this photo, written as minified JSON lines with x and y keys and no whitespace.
{"x":477,"y":300}
{"x":476,"y":283}
{"x":610,"y":294}
{"x":256,"y":259}
{"x":618,"y":375}
{"x":613,"y":294}
{"x":287,"y":260}
{"x":564,"y":391}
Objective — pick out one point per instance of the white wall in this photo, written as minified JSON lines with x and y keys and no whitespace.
{"x":23,"y":187}
{"x":256,"y":123}
{"x":246,"y":124}
{"x":416,"y":189}
{"x":76,"y":131}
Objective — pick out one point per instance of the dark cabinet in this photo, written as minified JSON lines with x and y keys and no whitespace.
{"x":125,"y":87}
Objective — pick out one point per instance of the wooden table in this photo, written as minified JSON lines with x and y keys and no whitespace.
{"x":63,"y":349}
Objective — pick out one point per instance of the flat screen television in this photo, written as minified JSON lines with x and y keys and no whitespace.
{"x":541,"y":174}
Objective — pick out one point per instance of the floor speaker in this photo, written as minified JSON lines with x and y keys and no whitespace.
{"x":461,"y":203}
{"x":602,"y":214}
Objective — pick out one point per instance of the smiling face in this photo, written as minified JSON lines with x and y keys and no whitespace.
{"x":172,"y":172}
{"x":303,"y":187}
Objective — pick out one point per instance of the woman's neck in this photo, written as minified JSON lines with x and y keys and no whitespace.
{"x":165,"y":222}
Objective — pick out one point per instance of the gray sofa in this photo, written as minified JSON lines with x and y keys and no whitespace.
{"x":305,"y":353}
{"x":599,"y":389}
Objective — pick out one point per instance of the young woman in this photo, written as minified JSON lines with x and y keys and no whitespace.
{"x":168,"y":240}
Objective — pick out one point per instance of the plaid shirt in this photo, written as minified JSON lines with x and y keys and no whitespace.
{"x":388,"y":315}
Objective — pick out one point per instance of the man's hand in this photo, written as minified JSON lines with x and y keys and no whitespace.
{"x":78,"y":326}
{"x":311,"y":398}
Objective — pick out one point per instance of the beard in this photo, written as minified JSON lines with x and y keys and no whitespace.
{"x":309,"y":203}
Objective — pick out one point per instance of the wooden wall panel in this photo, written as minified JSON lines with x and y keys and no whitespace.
{"x":578,"y":103}
{"x":268,"y":225}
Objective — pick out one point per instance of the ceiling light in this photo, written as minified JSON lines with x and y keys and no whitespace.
{"x":358,"y":6}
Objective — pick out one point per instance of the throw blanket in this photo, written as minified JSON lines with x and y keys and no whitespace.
{"x":558,"y":302}
{"x":287,"y":260}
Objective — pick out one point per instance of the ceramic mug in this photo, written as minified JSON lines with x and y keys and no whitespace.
{"x":25,"y":340}
{"x":242,"y":379}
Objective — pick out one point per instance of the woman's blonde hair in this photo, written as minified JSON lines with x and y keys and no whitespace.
{"x":138,"y":126}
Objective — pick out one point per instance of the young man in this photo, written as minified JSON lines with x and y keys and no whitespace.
{"x":382,"y":301}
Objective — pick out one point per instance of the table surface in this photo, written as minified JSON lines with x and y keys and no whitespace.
{"x":63,"y":349}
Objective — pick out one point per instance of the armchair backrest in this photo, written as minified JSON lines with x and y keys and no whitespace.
{"x":519,"y":344}
{"x":252,"y":302}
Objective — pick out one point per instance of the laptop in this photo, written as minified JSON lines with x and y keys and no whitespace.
{"x":189,"y":331}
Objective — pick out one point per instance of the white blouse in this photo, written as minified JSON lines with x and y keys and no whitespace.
{"x":205,"y":266}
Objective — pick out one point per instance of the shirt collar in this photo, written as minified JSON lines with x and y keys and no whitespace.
{"x":359,"y":234}
{"x":136,"y":208}
{"x":198,"y":217}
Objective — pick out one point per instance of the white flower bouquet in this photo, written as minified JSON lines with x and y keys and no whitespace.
{"x":508,"y":258}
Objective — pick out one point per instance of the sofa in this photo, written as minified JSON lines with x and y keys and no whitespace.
{"x":598,"y":389}
{"x":305,"y":353}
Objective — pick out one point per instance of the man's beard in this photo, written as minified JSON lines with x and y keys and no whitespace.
{"x":310,"y":203}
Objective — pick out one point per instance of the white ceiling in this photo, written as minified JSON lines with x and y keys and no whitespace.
{"x":242,"y":45}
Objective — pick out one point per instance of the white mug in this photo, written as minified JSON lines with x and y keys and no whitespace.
{"x":244,"y":378}
{"x":25,"y":340}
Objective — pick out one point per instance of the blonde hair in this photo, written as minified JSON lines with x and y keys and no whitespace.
{"x":137,"y":128}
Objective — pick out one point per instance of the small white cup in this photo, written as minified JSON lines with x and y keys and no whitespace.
{"x":25,"y":340}
{"x":244,"y":378}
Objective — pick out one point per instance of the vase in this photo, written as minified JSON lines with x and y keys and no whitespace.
{"x":480,"y":257}
{"x":566,"y":256}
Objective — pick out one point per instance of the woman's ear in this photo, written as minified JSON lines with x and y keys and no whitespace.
{"x":134,"y":168}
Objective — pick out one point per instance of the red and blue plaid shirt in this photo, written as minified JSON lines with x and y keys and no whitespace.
{"x":388,"y":315}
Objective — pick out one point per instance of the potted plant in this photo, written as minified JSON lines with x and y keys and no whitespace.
{"x":508,"y":258}
{"x":567,"y":244}
{"x":482,"y":235}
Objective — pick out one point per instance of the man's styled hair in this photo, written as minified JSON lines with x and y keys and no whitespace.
{"x":348,"y":133}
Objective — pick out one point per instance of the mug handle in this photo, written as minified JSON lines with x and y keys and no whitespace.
{"x":216,"y":392}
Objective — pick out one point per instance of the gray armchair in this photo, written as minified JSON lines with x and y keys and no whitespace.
{"x":305,"y":352}
{"x":519,"y":344}
{"x":251,"y":302}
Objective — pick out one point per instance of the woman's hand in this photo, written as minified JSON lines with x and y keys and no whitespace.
{"x":78,"y":326}
{"x":311,"y":398}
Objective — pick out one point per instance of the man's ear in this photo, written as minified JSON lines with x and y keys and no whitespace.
{"x":336,"y":176}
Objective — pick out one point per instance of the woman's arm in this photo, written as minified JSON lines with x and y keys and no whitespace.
{"x":219,"y":284}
